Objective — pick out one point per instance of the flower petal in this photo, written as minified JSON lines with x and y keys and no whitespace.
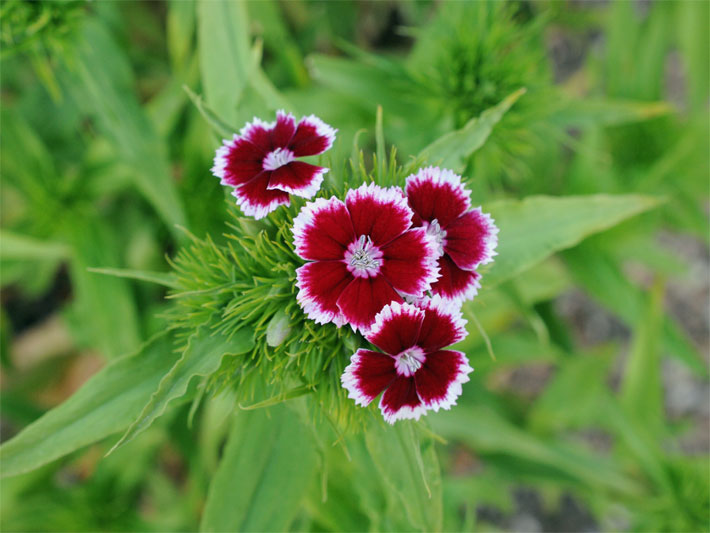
{"x":256,"y":200}
{"x":442,"y":326}
{"x":471,"y":239}
{"x":323,"y":230}
{"x":237,"y":161}
{"x":320,"y":284}
{"x":400,"y":401}
{"x":367,"y":375}
{"x":259,"y":133}
{"x":439,"y":379}
{"x":299,"y":178}
{"x":382,"y":214}
{"x":410,"y":262}
{"x":454,"y":283}
{"x":312,"y":137}
{"x":435,"y":193}
{"x":396,"y":327}
{"x":364,"y":298}
{"x":283,"y":130}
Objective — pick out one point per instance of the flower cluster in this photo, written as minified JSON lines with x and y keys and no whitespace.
{"x":394,"y":264}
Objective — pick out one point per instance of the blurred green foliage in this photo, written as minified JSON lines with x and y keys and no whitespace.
{"x":582,"y":128}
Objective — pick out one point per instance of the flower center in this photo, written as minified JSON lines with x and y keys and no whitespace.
{"x":363,"y":258}
{"x":434,"y":230}
{"x":409,"y":361}
{"x":277,"y":158}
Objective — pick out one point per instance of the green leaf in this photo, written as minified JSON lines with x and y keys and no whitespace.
{"x":15,"y":246}
{"x":202,"y":357}
{"x":108,"y":95}
{"x":221,"y":128}
{"x":641,"y":388}
{"x":225,"y":54}
{"x":583,"y":113}
{"x":453,"y":149}
{"x":267,"y":466}
{"x":167,"y":279}
{"x":534,"y":228}
{"x":106,"y":404}
{"x":410,"y":471}
{"x":601,"y":277}
{"x":486,"y":431}
{"x":104,"y":308}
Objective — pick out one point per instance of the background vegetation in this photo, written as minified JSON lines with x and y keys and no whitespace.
{"x":583,"y":129}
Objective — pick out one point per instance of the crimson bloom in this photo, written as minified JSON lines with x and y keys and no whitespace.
{"x":260,"y":162}
{"x":415,"y":372}
{"x":363,"y":254}
{"x":466,"y":238}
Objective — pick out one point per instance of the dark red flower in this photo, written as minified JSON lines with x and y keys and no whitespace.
{"x":364,"y":253}
{"x":466,"y":237}
{"x":415,"y":372}
{"x":260,"y":163}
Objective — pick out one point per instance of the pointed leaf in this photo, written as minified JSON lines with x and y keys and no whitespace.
{"x":534,"y":228}
{"x":202,"y":357}
{"x":106,"y":404}
{"x":452,"y":150}
{"x":267,"y":466}
{"x":410,"y":471}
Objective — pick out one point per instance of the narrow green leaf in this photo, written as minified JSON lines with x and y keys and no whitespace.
{"x":108,"y":95}
{"x":220,"y":127}
{"x":602,"y":278}
{"x":106,"y":404}
{"x":410,"y":471}
{"x":202,"y":357}
{"x":167,"y":279}
{"x":641,"y":388}
{"x":534,"y":228}
{"x":380,"y":146}
{"x":15,"y":246}
{"x":488,"y":432}
{"x":288,"y":395}
{"x":452,"y":150}
{"x":268,"y":464}
{"x":103,"y":307}
{"x":590,"y":112}
{"x":225,"y":54}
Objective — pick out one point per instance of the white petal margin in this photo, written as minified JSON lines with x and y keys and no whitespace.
{"x":383,"y":195}
{"x":249,"y":128}
{"x":306,"y":218}
{"x":282,"y":113}
{"x":468,"y":293}
{"x":255,"y":210}
{"x":439,"y":176}
{"x":431,"y":264}
{"x":454,"y":388}
{"x":403,"y":413}
{"x":310,"y":304}
{"x":450,"y":309}
{"x":352,"y":384}
{"x":491,"y":240}
{"x":388,"y":312}
{"x":307,"y":191}
{"x":220,"y":158}
{"x":322,"y":129}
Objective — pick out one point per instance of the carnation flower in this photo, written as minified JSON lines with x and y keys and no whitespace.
{"x":466,"y":238}
{"x":260,"y":162}
{"x":415,"y":372}
{"x":364,"y":253}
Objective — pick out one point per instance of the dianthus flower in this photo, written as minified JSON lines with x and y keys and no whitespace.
{"x":260,"y":162}
{"x":466,"y":238}
{"x":415,"y":372}
{"x":364,"y":252}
